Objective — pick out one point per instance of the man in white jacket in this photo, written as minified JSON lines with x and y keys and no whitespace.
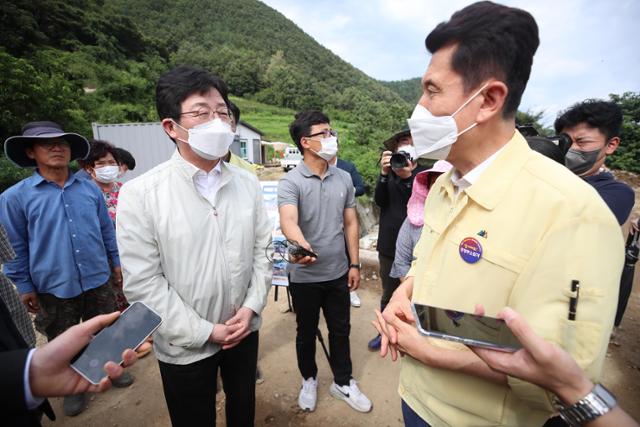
{"x":191,"y":234}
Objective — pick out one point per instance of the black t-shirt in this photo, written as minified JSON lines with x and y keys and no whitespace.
{"x":617,"y":195}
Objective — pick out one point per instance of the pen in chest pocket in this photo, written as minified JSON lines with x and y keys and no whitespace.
{"x":573,"y":300}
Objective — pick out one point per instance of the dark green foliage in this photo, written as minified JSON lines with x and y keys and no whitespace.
{"x":10,"y":174}
{"x":35,"y":90}
{"x":627,"y":156}
{"x":410,"y":90}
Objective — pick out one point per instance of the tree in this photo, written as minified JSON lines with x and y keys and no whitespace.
{"x":30,"y":94}
{"x":535,"y":119}
{"x":627,"y":156}
{"x":288,"y":87}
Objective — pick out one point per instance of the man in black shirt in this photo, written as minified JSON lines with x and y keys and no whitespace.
{"x":594,"y":127}
{"x":392,"y":193}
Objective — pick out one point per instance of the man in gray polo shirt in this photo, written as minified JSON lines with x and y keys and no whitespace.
{"x":316,"y":203}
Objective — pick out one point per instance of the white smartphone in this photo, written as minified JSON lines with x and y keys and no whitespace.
{"x":465,"y":328}
{"x":131,"y":329}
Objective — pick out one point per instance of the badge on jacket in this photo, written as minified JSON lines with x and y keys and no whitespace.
{"x":470,"y":250}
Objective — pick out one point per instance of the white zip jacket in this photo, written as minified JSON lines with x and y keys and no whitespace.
{"x":192,"y":262}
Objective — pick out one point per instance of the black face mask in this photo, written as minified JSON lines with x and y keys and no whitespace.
{"x":579,"y":162}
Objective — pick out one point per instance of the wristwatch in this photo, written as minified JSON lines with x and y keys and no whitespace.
{"x":597,"y":403}
{"x":358,"y":266}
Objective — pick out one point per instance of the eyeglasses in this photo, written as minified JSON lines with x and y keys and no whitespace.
{"x":325,"y":133}
{"x":49,"y":144}
{"x":204,"y":113}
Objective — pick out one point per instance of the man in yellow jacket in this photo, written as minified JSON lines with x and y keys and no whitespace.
{"x":232,"y":158}
{"x":505,"y":227}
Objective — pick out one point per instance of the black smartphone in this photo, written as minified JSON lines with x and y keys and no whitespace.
{"x":298,"y":251}
{"x":131,"y":329}
{"x":465,"y":328}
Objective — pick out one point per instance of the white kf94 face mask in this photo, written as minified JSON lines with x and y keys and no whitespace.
{"x":107,"y":174}
{"x":210,"y":140}
{"x":329,"y":148}
{"x":432,"y":135}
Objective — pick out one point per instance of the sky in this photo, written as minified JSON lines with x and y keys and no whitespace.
{"x":588,"y":48}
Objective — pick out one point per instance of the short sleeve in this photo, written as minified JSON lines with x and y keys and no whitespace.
{"x":288,"y":193}
{"x":350,"y":201}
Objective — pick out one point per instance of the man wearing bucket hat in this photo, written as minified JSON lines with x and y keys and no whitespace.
{"x":63,"y":237}
{"x":398,"y":168}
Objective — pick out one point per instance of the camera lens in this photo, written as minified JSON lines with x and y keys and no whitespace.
{"x":399,"y":160}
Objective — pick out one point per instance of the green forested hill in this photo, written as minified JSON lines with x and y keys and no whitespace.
{"x":82,"y":61}
{"x":253,"y":47}
{"x":410,"y":90}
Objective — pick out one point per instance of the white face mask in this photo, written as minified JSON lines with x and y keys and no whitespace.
{"x":432,"y":135}
{"x":329,"y":148}
{"x":210,"y":140}
{"x":107,"y":174}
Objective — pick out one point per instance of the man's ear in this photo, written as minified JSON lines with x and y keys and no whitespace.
{"x":304,"y":143}
{"x":29,"y":152}
{"x":611,"y":146}
{"x":494,"y":97}
{"x":169,"y":127}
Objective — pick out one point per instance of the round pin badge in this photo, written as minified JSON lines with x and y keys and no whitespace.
{"x":470,"y":250}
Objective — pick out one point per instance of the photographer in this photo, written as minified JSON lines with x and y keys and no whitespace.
{"x":398,"y":168}
{"x":594,"y":127}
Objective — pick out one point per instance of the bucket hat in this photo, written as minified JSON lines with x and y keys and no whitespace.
{"x":15,"y":146}
{"x":391,"y":143}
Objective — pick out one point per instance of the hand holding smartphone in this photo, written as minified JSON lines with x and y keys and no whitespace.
{"x":131,"y":329}
{"x":465,"y":328}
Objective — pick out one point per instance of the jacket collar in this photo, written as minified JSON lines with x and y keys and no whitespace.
{"x":492,"y":185}
{"x":189,"y":171}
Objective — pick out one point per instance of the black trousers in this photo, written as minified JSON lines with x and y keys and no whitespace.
{"x":333,"y":298}
{"x":389,"y":284}
{"x":190,"y":390}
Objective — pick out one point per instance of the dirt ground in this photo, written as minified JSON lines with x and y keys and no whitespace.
{"x":143,"y":403}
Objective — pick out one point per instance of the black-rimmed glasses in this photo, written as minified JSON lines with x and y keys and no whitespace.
{"x":325,"y":133}
{"x":204,"y":113}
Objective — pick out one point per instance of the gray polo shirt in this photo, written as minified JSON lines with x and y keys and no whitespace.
{"x":321,"y":204}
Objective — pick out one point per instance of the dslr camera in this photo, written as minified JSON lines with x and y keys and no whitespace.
{"x":563,"y":141}
{"x":400,"y":159}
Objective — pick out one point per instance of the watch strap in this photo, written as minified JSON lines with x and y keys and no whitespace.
{"x":597,"y":403}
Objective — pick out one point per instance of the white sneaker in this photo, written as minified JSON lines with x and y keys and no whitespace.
{"x":355,"y":299}
{"x":352,"y":395}
{"x":308,"y":395}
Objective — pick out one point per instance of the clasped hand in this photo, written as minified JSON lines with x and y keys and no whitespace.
{"x":230,"y":333}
